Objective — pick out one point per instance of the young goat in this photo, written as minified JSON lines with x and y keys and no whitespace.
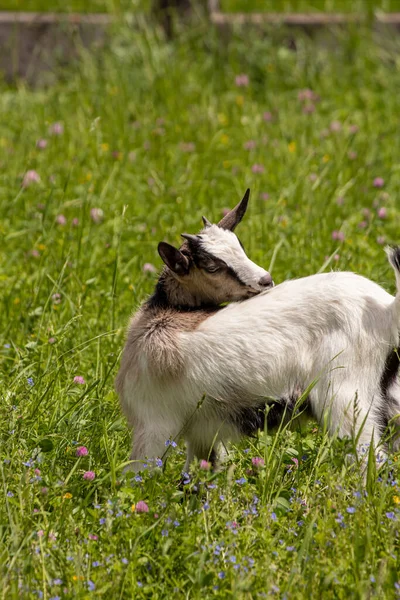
{"x":339,"y":330}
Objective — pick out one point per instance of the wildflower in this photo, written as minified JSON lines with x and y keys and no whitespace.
{"x":103,"y":520}
{"x":378,"y":182}
{"x":292,"y":147}
{"x":187,"y":146}
{"x":221,"y":575}
{"x":149,"y":268}
{"x":274,"y":517}
{"x":241,"y":481}
{"x":93,"y":536}
{"x":382,"y":212}
{"x":340,"y":201}
{"x":296,"y":462}
{"x":89,"y":475}
{"x":56,"y":298}
{"x":242,"y":80}
{"x":75,"y":222}
{"x":91,"y":585}
{"x":124,"y":561}
{"x":158,"y":462}
{"x":335,"y":126}
{"x":139,"y":478}
{"x":79,"y":380}
{"x":391,"y":515}
{"x":290,"y":548}
{"x":142,"y":507}
{"x":97,"y":215}
{"x":313,"y":177}
{"x":308,"y":95}
{"x":164,"y":532}
{"x":61,"y":220}
{"x":396,"y":499}
{"x":353,"y":128}
{"x":205,"y":465}
{"x":30,"y":382}
{"x":338,"y":236}
{"x":351,"y":510}
{"x":352,"y":155}
{"x":257,"y":461}
{"x":362,"y":224}
{"x":171,"y":443}
{"x":57,"y":581}
{"x":139,"y":584}
{"x":41,"y":144}
{"x":265,"y":196}
{"x":57,"y":128}
{"x":67,"y":496}
{"x":381,"y":240}
{"x":44,"y":490}
{"x":81,"y":451}
{"x":267,"y":116}
{"x":308,"y":109}
{"x":250,"y":145}
{"x":10,"y":494}
{"x":257,"y":168}
{"x":30,"y":177}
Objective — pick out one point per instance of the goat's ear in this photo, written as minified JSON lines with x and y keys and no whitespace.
{"x":233,"y":218}
{"x":173,"y":258}
{"x":206,"y":222}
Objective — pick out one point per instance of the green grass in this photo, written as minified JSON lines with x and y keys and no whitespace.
{"x":155,"y":135}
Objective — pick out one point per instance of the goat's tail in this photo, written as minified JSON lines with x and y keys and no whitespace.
{"x":393,"y":255}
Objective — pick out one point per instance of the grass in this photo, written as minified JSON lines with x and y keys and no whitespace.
{"x":111,"y":6}
{"x":154,"y":135}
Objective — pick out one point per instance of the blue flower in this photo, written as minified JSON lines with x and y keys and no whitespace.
{"x":96,"y":563}
{"x":10,"y":494}
{"x":30,"y":381}
{"x":125,"y":561}
{"x":102,"y":521}
{"x":232,"y":559}
{"x":176,"y":523}
{"x":139,"y":584}
{"x":241,"y":481}
{"x":91,"y":585}
{"x":274,"y":517}
{"x":206,"y":506}
{"x":164,"y":533}
{"x":138,"y":478}
{"x":351,"y":510}
{"x":372,"y":579}
{"x":290,"y":548}
{"x":57,"y":581}
{"x":221,"y":575}
{"x":391,"y":515}
{"x":171,"y":443}
{"x":158,"y":462}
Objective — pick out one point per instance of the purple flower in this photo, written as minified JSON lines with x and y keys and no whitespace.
{"x":141,"y":507}
{"x":30,"y":382}
{"x":221,"y":575}
{"x":56,"y":128}
{"x":149,"y":268}
{"x":257,"y":461}
{"x":391,"y":515}
{"x":338,"y":235}
{"x":170,"y":443}
{"x":10,"y":494}
{"x":61,"y":220}
{"x":382,"y":212}
{"x":56,"y":298}
{"x":308,"y":109}
{"x":242,"y":80}
{"x":75,"y":222}
{"x":205,"y":465}
{"x":351,"y":510}
{"x":41,"y":144}
{"x":256,"y":168}
{"x":158,"y":462}
{"x":274,"y":517}
{"x":91,"y":585}
{"x":164,"y":532}
{"x":30,"y":177}
{"x":89,"y":475}
{"x":307,"y":95}
{"x":250,"y":145}
{"x":362,"y":224}
{"x":241,"y":480}
{"x":97,"y":215}
{"x":79,"y":380}
{"x":290,"y":548}
{"x":378,"y":182}
{"x":81,"y":451}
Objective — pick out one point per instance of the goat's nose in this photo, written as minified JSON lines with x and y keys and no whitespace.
{"x":266,"y":280}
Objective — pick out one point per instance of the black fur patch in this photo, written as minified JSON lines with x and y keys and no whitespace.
{"x":388,"y":377}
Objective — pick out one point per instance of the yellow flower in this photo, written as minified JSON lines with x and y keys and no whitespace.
{"x":67,"y":496}
{"x":224,"y":139}
{"x":240,"y":100}
{"x":133,"y":507}
{"x":222,"y":119}
{"x":292,"y":147}
{"x":105,"y":147}
{"x":42,"y":247}
{"x":396,"y":499}
{"x":326,"y":158}
{"x":17,"y":300}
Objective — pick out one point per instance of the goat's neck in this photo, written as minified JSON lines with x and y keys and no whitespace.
{"x":171,"y":293}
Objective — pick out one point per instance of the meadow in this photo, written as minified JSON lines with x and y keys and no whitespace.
{"x":131,"y":146}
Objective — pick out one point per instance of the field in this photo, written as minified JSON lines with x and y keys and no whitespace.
{"x":130,"y":147}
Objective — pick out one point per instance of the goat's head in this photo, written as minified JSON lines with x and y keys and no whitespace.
{"x":212,"y":266}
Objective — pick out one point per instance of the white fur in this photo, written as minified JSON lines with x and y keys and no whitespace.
{"x":224,"y":244}
{"x":336,"y":328}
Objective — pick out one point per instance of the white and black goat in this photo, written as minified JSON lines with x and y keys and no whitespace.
{"x":338,"y":330}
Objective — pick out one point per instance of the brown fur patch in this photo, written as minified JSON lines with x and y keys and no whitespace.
{"x":152,"y":341}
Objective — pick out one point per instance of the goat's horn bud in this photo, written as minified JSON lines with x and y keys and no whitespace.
{"x":206,"y":222}
{"x":189,"y":237}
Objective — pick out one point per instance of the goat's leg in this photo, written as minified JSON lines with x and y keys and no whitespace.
{"x":201,"y":450}
{"x":148,"y":445}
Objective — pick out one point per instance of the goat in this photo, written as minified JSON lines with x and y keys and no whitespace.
{"x":338,"y":330}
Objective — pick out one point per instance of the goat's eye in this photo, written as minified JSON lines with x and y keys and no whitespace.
{"x":212,"y":269}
